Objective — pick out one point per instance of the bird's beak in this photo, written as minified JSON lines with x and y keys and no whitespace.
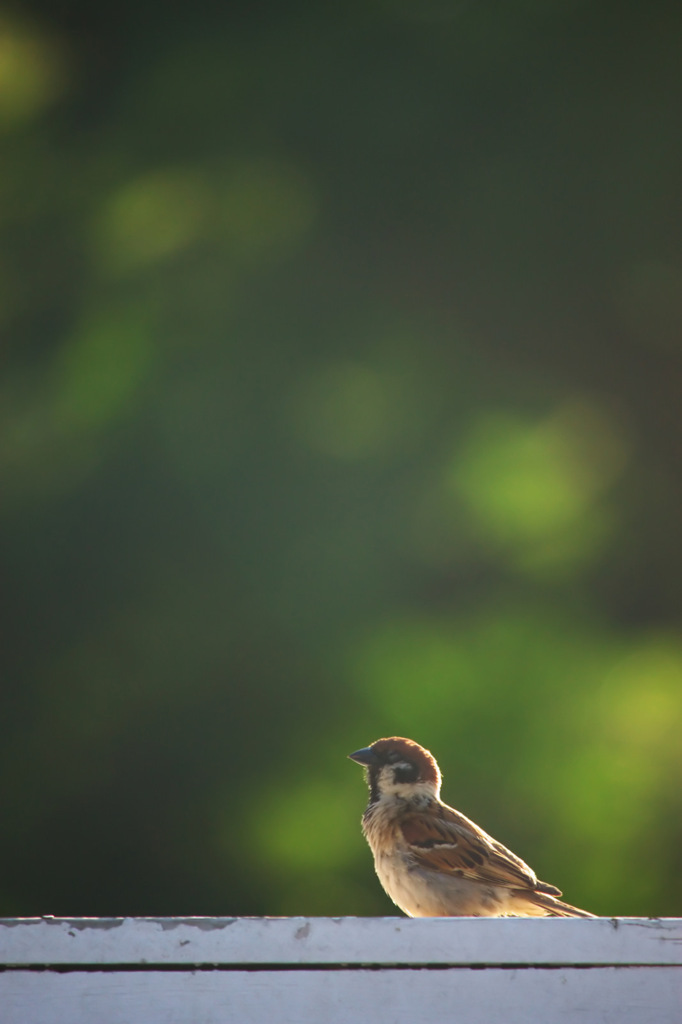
{"x":365,"y":756}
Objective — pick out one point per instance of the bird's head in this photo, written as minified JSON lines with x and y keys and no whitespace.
{"x":399,"y":767}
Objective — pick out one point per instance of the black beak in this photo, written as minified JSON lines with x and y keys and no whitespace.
{"x":365,"y":756}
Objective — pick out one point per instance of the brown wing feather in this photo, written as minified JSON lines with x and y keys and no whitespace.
{"x":451,"y":842}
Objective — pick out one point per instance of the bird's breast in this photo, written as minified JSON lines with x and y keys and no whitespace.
{"x":418,"y":890}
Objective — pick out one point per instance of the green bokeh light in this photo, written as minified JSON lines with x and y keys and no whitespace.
{"x":535,"y":489}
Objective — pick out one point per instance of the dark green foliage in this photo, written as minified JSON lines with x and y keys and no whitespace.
{"x":339,"y":399}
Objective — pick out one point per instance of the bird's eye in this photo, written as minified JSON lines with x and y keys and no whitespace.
{"x":405,"y":772}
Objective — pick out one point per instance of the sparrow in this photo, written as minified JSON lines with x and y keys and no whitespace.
{"x":433,"y":861}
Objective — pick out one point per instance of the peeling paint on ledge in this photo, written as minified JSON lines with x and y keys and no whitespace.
{"x":293,"y":942}
{"x":204,"y":924}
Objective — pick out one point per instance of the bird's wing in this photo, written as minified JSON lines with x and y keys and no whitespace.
{"x":445,"y":840}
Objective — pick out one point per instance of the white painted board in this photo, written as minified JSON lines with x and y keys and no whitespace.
{"x":220,"y":970}
{"x":346,"y":940}
{"x":608,"y":995}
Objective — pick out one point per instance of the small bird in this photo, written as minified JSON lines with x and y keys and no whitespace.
{"x":433,"y":861}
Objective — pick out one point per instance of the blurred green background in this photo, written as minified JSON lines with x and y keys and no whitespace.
{"x":340,"y":399}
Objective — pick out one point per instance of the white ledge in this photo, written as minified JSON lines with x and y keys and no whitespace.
{"x":300,"y":941}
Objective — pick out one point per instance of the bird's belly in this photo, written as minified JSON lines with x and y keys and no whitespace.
{"x":423,"y":893}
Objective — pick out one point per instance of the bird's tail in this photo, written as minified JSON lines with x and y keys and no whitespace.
{"x":550,"y":906}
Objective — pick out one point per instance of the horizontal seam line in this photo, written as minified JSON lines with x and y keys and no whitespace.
{"x":118,"y":968}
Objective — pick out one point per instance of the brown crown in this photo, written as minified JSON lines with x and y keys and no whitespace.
{"x":411,"y":751}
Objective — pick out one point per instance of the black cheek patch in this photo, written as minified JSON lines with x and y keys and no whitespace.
{"x":405,"y":773}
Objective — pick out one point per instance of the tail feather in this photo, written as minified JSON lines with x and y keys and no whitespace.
{"x":552,"y":906}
